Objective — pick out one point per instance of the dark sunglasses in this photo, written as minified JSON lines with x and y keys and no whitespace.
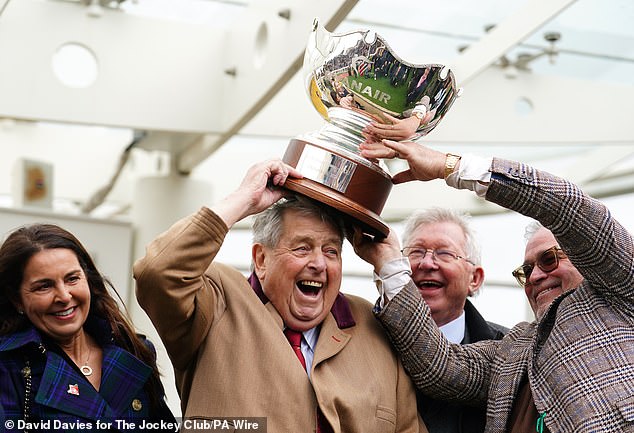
{"x":548,"y":261}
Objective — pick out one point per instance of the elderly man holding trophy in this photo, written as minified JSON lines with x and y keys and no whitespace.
{"x":284,"y":344}
{"x":366,"y":94}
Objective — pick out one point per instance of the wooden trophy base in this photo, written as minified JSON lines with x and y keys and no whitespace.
{"x":348,"y":183}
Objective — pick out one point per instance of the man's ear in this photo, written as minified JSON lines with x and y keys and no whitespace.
{"x":258,"y":253}
{"x":477,"y":278}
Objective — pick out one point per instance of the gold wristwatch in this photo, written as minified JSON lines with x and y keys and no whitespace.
{"x":451,"y":161}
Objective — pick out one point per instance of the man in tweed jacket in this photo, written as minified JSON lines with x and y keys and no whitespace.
{"x":577,"y":359}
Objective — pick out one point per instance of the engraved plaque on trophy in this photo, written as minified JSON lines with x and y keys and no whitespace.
{"x":354,"y":79}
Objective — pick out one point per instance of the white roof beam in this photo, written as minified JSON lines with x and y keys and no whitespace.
{"x":262,"y":69}
{"x":161,"y":76}
{"x":505,"y":36}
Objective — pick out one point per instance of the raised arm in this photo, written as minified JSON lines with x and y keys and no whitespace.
{"x":175,"y":283}
{"x":599,"y":247}
{"x":439,"y":368}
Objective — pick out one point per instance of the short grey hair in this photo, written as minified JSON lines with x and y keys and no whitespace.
{"x":441,"y":215}
{"x":267,"y":227}
{"x":530,"y":230}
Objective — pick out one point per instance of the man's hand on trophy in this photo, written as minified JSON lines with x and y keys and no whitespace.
{"x":424,"y":163}
{"x":259,"y":189}
{"x":393,"y":128}
{"x":377,"y":251}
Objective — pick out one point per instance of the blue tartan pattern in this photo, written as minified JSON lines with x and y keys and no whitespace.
{"x":122,"y":381}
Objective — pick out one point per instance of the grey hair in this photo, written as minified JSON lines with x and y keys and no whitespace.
{"x":441,"y":215}
{"x":267,"y":227}
{"x":530,"y":230}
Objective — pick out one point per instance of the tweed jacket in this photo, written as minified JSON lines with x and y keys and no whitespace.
{"x":443,"y":417}
{"x":61,"y":399}
{"x":579,"y":358}
{"x":231,"y":358}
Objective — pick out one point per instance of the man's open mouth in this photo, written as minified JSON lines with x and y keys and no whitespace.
{"x":309,"y":287}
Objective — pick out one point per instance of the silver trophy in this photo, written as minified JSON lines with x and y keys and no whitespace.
{"x":354,"y":79}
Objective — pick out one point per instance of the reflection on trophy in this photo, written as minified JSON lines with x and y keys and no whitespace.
{"x":354,"y":79}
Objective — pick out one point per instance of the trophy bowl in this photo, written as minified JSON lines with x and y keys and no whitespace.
{"x":354,"y":79}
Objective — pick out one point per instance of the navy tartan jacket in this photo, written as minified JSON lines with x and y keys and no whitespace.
{"x":52,"y":407}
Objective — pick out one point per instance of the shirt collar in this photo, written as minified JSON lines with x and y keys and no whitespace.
{"x":311,"y":337}
{"x":340,"y":309}
{"x":454,"y":330}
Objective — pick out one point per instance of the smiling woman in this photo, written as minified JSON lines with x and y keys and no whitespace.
{"x":55,"y":296}
{"x":62,"y":331}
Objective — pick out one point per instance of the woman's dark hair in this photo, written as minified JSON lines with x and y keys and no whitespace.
{"x":24,"y":243}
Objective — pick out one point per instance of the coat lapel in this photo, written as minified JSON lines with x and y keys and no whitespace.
{"x":65,"y":389}
{"x":331,"y":340}
{"x":122,"y":378}
{"x":505,"y":385}
{"x":275,"y":316}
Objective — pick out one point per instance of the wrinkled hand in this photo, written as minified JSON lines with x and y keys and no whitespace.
{"x":375,"y":251}
{"x":258,"y":190}
{"x":424,"y":163}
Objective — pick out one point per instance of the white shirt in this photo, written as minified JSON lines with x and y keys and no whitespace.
{"x":472,"y":174}
{"x":307,"y":346}
{"x":454,"y":330}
